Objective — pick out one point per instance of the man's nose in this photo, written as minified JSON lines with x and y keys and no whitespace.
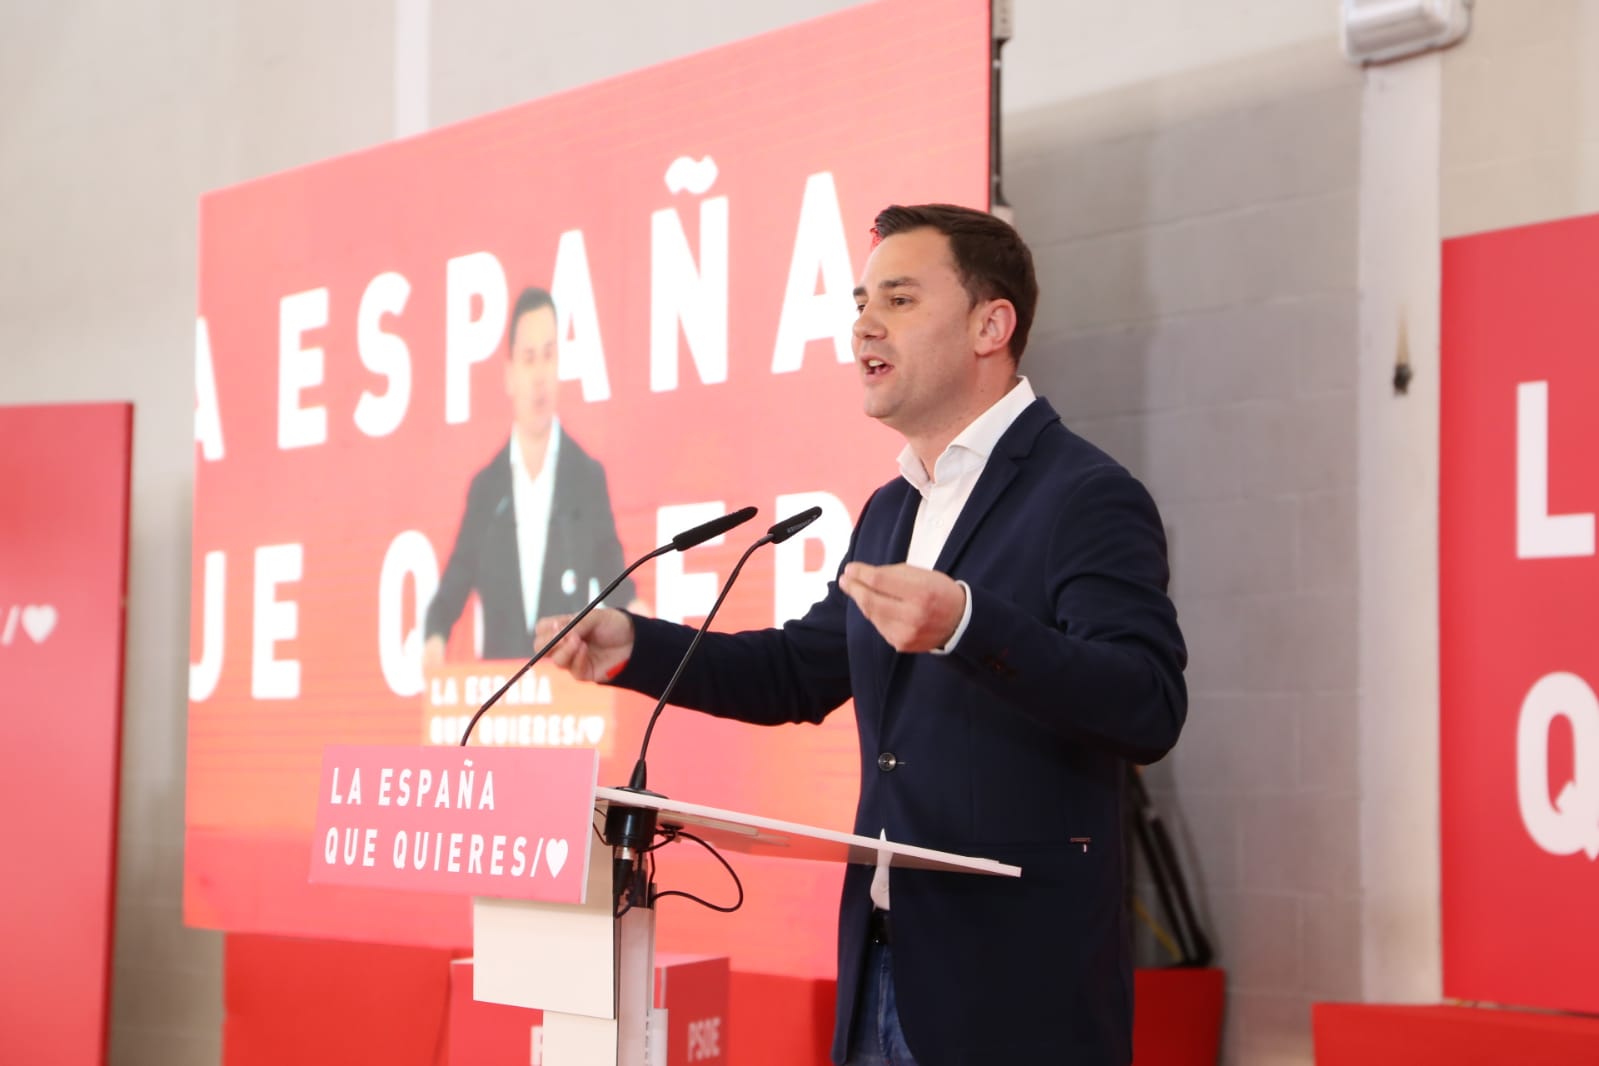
{"x":867,"y":326}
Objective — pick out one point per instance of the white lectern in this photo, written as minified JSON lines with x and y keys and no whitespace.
{"x":591,"y":973}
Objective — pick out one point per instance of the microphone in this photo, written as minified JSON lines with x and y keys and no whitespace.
{"x":777,"y":534}
{"x":685,"y":540}
{"x":693,"y":538}
{"x":630,"y":830}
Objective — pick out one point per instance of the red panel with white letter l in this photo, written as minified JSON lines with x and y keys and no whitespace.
{"x":1519,"y":662}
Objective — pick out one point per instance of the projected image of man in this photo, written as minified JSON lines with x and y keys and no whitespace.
{"x":538,"y":536}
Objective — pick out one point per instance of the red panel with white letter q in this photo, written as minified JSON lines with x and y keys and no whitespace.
{"x":1519,"y":623}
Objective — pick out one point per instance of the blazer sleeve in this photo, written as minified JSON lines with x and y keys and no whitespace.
{"x":1108,"y":670}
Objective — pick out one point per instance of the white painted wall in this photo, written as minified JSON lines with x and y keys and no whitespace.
{"x":1073,"y":49}
{"x":1398,"y":522}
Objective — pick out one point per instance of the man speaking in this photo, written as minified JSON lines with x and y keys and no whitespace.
{"x":1002,"y":624}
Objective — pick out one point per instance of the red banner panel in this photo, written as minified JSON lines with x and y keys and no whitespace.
{"x":63,"y":577}
{"x":1519,"y":661}
{"x":330,"y":1003}
{"x":1373,"y":1034}
{"x":451,"y":384}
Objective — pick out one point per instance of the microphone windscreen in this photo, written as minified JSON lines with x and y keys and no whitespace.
{"x":791,"y":525}
{"x":714,"y":528}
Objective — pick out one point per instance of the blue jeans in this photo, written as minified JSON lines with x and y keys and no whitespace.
{"x":877,"y":1039}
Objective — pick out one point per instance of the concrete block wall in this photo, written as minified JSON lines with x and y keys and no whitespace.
{"x":1197,"y":245}
{"x":1520,"y":124}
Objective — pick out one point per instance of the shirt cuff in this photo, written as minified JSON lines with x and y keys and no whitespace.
{"x":966,"y":617}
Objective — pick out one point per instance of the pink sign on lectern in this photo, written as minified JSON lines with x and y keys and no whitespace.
{"x":511,"y":823}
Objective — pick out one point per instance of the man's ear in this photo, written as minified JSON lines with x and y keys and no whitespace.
{"x":995,"y":322}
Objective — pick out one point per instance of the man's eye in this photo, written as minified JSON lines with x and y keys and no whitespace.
{"x":899,"y":301}
{"x":860,"y":309}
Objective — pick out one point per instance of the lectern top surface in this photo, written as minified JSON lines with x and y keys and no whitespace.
{"x":755,"y":835}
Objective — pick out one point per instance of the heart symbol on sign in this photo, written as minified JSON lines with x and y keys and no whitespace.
{"x":38,"y":621}
{"x":593,"y":729}
{"x":555,"y":856}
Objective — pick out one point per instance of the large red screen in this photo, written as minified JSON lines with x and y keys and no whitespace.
{"x":700,"y":226}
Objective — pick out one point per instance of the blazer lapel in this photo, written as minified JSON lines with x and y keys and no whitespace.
{"x":884,"y":541}
{"x":899,"y":537}
{"x":1013,"y":446}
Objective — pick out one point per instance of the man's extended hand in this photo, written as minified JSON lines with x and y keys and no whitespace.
{"x":914,"y":609}
{"x":596,"y":649}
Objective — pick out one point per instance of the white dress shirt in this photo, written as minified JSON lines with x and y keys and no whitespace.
{"x":532,"y":497}
{"x":944,"y":494}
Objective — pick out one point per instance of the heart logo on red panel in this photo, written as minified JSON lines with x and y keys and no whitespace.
{"x":38,"y":621}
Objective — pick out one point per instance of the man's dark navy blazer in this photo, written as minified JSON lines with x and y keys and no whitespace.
{"x":1013,"y":747}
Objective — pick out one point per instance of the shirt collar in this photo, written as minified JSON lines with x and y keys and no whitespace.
{"x":518,"y":466}
{"x":973,"y":445}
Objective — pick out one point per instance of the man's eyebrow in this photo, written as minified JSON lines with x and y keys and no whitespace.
{"x":889,"y":283}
